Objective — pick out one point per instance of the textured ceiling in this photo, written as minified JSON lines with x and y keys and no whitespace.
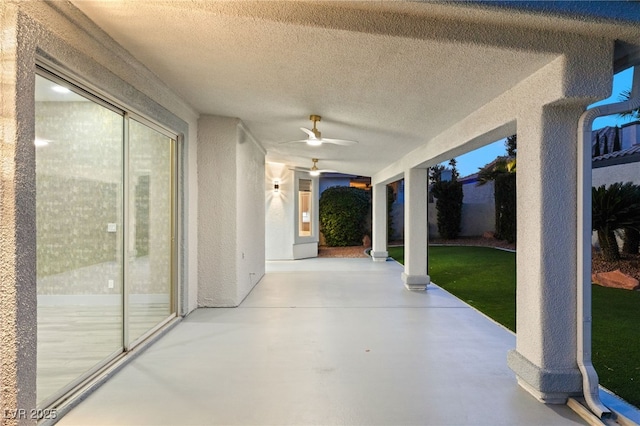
{"x":390,"y":75}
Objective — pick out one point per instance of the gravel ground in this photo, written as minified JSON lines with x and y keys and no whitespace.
{"x":629,"y":264}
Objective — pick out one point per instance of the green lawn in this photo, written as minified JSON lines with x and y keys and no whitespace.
{"x":485,"y":278}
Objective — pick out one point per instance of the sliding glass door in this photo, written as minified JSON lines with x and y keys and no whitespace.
{"x":105,"y":191}
{"x":150,"y":242}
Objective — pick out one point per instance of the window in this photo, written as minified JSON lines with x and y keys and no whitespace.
{"x":305,"y":206}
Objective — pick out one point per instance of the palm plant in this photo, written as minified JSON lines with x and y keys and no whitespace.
{"x":631,"y":241}
{"x":615,"y":207}
{"x":625,"y":96}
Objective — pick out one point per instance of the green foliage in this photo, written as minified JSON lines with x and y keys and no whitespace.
{"x":448,"y":201}
{"x":625,"y":96}
{"x":631,"y":241}
{"x":343,"y":212}
{"x":503,"y":173}
{"x":505,"y":202}
{"x":390,"y":201}
{"x":613,"y":208}
{"x":511,"y":144}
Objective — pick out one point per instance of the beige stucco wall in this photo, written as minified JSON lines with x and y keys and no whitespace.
{"x":629,"y":172}
{"x":279,"y":210}
{"x":250,"y":213}
{"x":231,"y":206}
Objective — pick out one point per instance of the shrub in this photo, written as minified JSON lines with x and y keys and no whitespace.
{"x":631,"y":236}
{"x":505,"y":204}
{"x":502,"y":172}
{"x":448,"y":196}
{"x":343,"y":212}
{"x":390,"y":200}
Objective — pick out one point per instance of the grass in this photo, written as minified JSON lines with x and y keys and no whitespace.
{"x":485,"y":278}
{"x":616,"y":341}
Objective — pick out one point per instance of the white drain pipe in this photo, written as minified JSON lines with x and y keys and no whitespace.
{"x":589,"y":376}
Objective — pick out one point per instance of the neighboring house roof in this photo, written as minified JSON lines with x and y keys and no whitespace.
{"x":628,"y":136}
{"x":469,"y":179}
{"x":629,"y":155}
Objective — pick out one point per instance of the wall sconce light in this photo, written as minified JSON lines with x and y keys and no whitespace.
{"x":276,"y":186}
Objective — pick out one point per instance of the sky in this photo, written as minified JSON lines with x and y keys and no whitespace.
{"x":470,"y":162}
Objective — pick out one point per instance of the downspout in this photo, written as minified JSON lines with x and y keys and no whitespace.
{"x":590,"y":385}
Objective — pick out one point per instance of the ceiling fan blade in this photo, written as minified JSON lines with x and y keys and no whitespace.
{"x":300,"y":141}
{"x":308,"y":132}
{"x":343,"y":142}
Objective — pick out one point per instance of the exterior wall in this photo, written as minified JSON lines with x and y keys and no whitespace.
{"x":231,"y":212}
{"x":279,"y":212}
{"x":217,"y":137}
{"x":478,"y":212}
{"x":250,"y":213}
{"x":62,"y":38}
{"x":281,"y":234}
{"x":629,"y":172}
{"x":474,"y":194}
{"x":18,"y":316}
{"x":477,"y":218}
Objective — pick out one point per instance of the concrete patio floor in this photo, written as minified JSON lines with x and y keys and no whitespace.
{"x":330,"y":342}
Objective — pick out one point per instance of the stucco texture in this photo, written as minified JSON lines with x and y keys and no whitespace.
{"x":231,"y":205}
{"x":17,"y":211}
{"x":60,"y":37}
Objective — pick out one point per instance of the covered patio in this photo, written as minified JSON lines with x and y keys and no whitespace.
{"x":220,"y":93}
{"x":331,"y":342}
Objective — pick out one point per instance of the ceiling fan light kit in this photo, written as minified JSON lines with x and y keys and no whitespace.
{"x":314,"y":136}
{"x":314,"y":171}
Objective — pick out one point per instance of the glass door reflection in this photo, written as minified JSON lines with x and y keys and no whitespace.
{"x":150,"y":233}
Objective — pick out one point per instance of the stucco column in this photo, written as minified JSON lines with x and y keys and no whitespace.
{"x":18,"y":307}
{"x":379,"y":251}
{"x":231,"y":215}
{"x":545,"y":356}
{"x":416,"y":227}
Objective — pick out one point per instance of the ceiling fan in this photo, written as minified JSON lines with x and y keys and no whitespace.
{"x":315,"y":136}
{"x":314,"y":170}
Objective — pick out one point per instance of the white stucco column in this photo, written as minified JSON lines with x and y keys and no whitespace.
{"x":416,"y":227}
{"x":545,"y":356}
{"x":379,"y":251}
